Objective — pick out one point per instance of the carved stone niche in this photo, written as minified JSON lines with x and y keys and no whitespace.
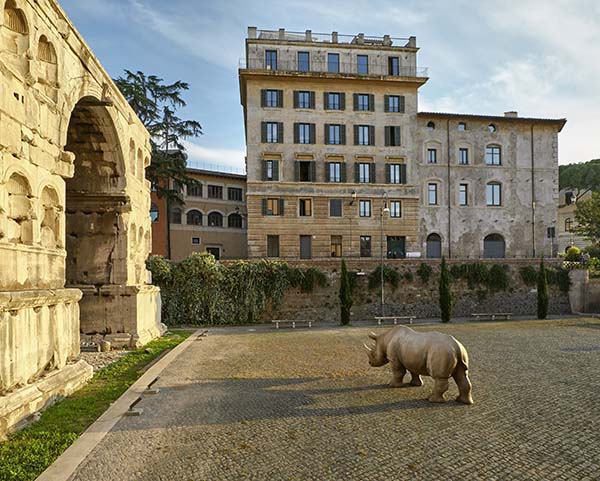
{"x":52,"y":216}
{"x":20,"y":211}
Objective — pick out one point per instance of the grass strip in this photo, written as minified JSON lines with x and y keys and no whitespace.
{"x":27,"y":453}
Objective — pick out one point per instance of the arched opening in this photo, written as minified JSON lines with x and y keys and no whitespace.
{"x":234,"y":221}
{"x":194,"y":217}
{"x":494,"y":247}
{"x":175,"y":215}
{"x":50,"y":233}
{"x":20,"y":211}
{"x":95,"y":229}
{"x":215,"y":219}
{"x":48,"y":68}
{"x":430,"y":125}
{"x":14,"y":38}
{"x":153,"y":212}
{"x":434,"y":246}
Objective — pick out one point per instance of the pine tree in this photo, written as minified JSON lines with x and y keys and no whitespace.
{"x":542,"y":292}
{"x":445,"y":294}
{"x":345,"y":295}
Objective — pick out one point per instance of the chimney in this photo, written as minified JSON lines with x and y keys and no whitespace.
{"x":252,"y":32}
{"x":511,"y":113}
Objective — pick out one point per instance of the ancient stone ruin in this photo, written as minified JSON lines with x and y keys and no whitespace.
{"x":74,"y":209}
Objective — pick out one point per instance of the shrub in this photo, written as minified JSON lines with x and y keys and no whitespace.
{"x":408,"y":276}
{"x":529,"y":275}
{"x":390,"y":276}
{"x":542,"y":292}
{"x":497,"y":277}
{"x":307,"y":280}
{"x":559,"y":277}
{"x":345,"y":295}
{"x":573,"y":254}
{"x":445,"y":294}
{"x":593,"y":251}
{"x":424,"y":272}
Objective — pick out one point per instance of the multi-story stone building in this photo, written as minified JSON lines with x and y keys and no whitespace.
{"x":340,"y":161}
{"x":211,"y":219}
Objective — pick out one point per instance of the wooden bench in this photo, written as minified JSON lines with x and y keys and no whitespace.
{"x":292,"y":322}
{"x":491,"y":315}
{"x":381,"y":319}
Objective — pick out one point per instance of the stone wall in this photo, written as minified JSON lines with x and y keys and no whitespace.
{"x":414,"y":297}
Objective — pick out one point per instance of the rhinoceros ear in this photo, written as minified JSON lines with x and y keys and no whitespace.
{"x":373,"y":336}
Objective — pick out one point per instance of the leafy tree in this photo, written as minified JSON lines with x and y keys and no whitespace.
{"x":542,"y":292}
{"x":345,"y":295}
{"x":156,"y":104}
{"x":445,"y":294}
{"x":582,"y":177}
{"x":587,"y":217}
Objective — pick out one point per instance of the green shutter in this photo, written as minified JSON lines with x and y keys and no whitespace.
{"x":313,"y":171}
{"x":356,"y":172}
{"x":372,"y":176}
{"x":397,"y":136}
{"x":264,"y":207}
{"x":263,"y":132}
{"x":326,"y":134}
{"x":403,"y":174}
{"x":327,"y":164}
{"x":401,"y":104}
{"x":326,"y":100}
{"x":387,"y":173}
{"x":343,"y":172}
{"x":356,"y":135}
{"x":371,"y":103}
{"x":296,"y":133}
{"x":342,"y":134}
{"x":264,"y":170}
{"x":295,"y":99}
{"x":342,"y":101}
{"x":387,"y":135}
{"x":280,"y":132}
{"x":263,"y":98}
{"x":296,"y":171}
{"x":280,"y":98}
{"x":312,"y":132}
{"x":275,"y":170}
{"x":355,"y":97}
{"x":311,"y":100}
{"x":371,"y":135}
{"x":386,"y":103}
{"x":281,"y":205}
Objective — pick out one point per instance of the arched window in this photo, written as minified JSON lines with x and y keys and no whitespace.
{"x":153,"y":212}
{"x":46,"y":52}
{"x":568,"y":224}
{"x":430,"y":125}
{"x":462,"y":126}
{"x":494,"y":247}
{"x":194,"y":217}
{"x":492,"y":128}
{"x":493,"y":194}
{"x":434,"y":246}
{"x":20,"y":211}
{"x":14,"y":41}
{"x":215,"y":219}
{"x":493,"y":155}
{"x":14,"y":18}
{"x":234,"y":221}
{"x":176,"y":216}
{"x":50,"y":226}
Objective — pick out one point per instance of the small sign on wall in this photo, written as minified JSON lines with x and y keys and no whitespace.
{"x":413,"y":255}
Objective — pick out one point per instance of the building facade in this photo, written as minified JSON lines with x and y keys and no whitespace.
{"x":567,"y":206}
{"x":341,"y":163}
{"x":211,"y":219}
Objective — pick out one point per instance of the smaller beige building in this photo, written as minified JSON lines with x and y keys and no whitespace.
{"x":211,"y":219}
{"x":566,"y":220}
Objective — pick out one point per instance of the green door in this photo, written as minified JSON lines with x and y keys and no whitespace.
{"x":396,"y":247}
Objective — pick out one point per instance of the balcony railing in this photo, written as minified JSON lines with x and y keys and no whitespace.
{"x":346,"y":68}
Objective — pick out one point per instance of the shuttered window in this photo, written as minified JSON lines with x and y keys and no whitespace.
{"x":394,"y":103}
{"x":270,"y":170}
{"x":272,"y":132}
{"x":271,"y":98}
{"x":272,"y":206}
{"x":364,"y":208}
{"x":395,"y":208}
{"x":304,"y":99}
{"x":396,"y":173}
{"x":392,"y":136}
{"x":304,"y":133}
{"x":364,"y":135}
{"x":334,"y":100}
{"x":335,"y":207}
{"x":364,"y":102}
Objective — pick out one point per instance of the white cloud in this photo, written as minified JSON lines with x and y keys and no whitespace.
{"x":214,"y":156}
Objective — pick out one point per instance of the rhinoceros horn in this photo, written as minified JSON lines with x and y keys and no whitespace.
{"x":373,"y":336}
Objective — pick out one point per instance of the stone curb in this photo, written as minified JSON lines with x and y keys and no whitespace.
{"x":66,"y":464}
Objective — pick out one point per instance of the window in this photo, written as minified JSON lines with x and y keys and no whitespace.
{"x":194,"y":217}
{"x":305,"y":208}
{"x":568,"y":224}
{"x":305,"y":171}
{"x":392,"y":136}
{"x":215,"y":192}
{"x":396,"y":173}
{"x":153,"y":212}
{"x":492,"y":128}
{"x":272,"y":132}
{"x":463,"y":156}
{"x":304,"y":133}
{"x":494,"y":247}
{"x":364,"y":173}
{"x":336,"y":246}
{"x":569,"y":197}
{"x":493,"y":155}
{"x":396,"y":247}
{"x":272,"y":246}
{"x":235,"y":194}
{"x":272,"y":98}
{"x":234,"y":221}
{"x":434,"y":246}
{"x":178,"y":186}
{"x":303,"y":61}
{"x":333,"y":101}
{"x":271,"y":59}
{"x":333,"y":62}
{"x":362,"y":64}
{"x":335,"y":207}
{"x":196,"y":241}
{"x":432,"y":156}
{"x":363,"y":134}
{"x":365,"y":246}
{"x":271,"y":170}
{"x":335,"y":172}
{"x":304,"y":100}
{"x":194,"y":190}
{"x":493,"y":193}
{"x":333,"y":134}
{"x":364,"y":208}
{"x":462,"y":126}
{"x":395,"y":208}
{"x":432,"y":193}
{"x":215,"y":251}
{"x":363,"y":102}
{"x":393,"y":66}
{"x":176,"y":216}
{"x":463,"y":194}
{"x":305,"y":247}
{"x":272,"y":206}
{"x":215,"y":219}
{"x":430,"y":125}
{"x":394,"y":103}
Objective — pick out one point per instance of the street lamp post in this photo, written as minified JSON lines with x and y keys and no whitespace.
{"x":384,"y":210}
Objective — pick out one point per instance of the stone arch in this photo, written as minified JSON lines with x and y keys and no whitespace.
{"x":433,"y":246}
{"x":235,"y":221}
{"x":14,"y":37}
{"x":193,"y":217}
{"x":20,"y":210}
{"x":47,"y":68}
{"x":494,"y":246}
{"x":215,"y":219}
{"x":52,"y":215}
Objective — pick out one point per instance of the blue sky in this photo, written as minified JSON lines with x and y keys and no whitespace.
{"x":538,"y":57}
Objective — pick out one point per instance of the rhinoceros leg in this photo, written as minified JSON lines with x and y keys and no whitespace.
{"x":464,"y":386}
{"x":398,"y":372}
{"x":440,"y":386}
{"x":415,"y":380}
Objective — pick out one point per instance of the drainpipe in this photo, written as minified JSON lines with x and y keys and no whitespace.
{"x":532,"y":194}
{"x":449,"y":191}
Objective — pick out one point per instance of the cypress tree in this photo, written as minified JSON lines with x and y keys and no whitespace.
{"x":345,"y":295}
{"x":542,"y":292}
{"x":445,"y":294}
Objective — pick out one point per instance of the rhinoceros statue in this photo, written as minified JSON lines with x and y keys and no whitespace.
{"x":423,"y":354}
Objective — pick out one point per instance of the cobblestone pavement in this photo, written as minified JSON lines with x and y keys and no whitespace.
{"x":305,"y":405}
